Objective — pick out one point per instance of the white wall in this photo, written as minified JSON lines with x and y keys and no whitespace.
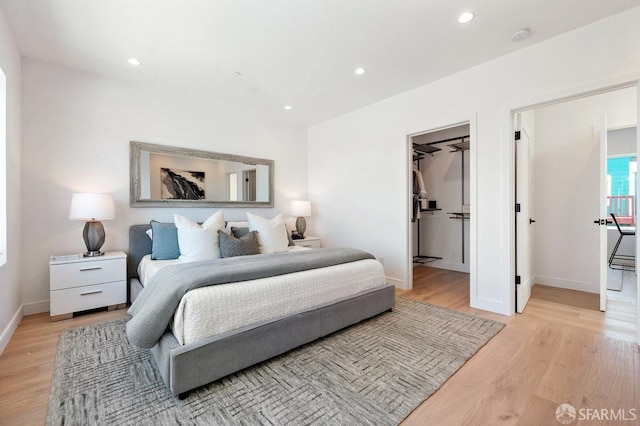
{"x":10,"y":298}
{"x":358,"y":163}
{"x":76,"y":133}
{"x":622,"y":141}
{"x":566,"y":165}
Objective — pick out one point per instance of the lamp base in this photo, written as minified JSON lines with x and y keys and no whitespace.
{"x":301,"y":226}
{"x":93,"y":235}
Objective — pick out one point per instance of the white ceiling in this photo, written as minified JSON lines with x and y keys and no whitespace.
{"x":297,"y":52}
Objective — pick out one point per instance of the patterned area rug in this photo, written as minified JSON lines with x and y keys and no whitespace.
{"x":375,"y":372}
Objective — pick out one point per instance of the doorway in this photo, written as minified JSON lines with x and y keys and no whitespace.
{"x":441,"y":202}
{"x":565,"y":196}
{"x":249,"y":187}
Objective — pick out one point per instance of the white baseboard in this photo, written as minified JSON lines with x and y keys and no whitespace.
{"x":458,"y":267}
{"x":36,"y":307}
{"x":567,"y":284}
{"x":495,"y":306}
{"x":397,"y":283}
{"x":7,"y":333}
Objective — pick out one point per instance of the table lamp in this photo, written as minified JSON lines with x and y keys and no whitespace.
{"x":301,"y":209}
{"x":92,"y":208}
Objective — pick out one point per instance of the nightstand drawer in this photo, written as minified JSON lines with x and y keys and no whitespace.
{"x":309,"y":242}
{"x":78,"y":274}
{"x":87,"y":297}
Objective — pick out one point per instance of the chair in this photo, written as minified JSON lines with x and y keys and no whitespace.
{"x":615,"y":258}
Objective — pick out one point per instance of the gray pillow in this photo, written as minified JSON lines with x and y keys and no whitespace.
{"x":291,"y":243}
{"x":231,"y":246}
{"x":164,"y":241}
{"x":241,"y":232}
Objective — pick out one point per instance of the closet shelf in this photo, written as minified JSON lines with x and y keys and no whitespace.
{"x":459,"y":215}
{"x":460,"y":146}
{"x":426,"y":148}
{"x":429,"y":211}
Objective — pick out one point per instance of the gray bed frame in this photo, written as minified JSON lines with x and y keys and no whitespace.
{"x":186,"y":367}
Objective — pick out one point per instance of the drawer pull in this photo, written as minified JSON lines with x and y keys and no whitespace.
{"x":91,"y":269}
{"x":90,"y":292}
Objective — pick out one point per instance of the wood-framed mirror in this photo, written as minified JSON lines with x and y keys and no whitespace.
{"x":168,"y":176}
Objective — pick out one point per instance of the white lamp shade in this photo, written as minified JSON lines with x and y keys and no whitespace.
{"x":86,"y":206}
{"x":301,"y":208}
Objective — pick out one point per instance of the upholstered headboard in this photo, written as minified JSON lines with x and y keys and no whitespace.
{"x":139,"y":246}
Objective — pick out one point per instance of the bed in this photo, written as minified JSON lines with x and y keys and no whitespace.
{"x":188,"y":359}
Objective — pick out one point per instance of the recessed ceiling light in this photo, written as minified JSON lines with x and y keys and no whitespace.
{"x":134,"y":62}
{"x":465,"y":17}
{"x":360,"y":71}
{"x":287,"y":107}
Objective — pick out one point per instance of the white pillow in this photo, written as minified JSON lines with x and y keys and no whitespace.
{"x":199,"y":242}
{"x":272,"y":234}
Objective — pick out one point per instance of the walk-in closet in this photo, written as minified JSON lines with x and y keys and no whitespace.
{"x":441,"y":199}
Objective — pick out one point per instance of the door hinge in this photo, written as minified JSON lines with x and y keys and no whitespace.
{"x":517,"y":279}
{"x":517,"y":207}
{"x":518,"y":135}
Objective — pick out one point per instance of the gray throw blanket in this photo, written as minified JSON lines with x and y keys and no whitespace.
{"x":153,"y":309}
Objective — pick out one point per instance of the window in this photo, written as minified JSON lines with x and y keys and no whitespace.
{"x":621,"y":188}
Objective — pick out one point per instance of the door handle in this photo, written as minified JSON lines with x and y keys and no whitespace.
{"x":600,"y":222}
{"x":531,"y":221}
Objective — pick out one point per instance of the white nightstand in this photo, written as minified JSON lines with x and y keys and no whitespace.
{"x":87,"y":283}
{"x":309,"y":242}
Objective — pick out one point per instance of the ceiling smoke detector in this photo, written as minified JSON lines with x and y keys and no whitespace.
{"x":520,"y":34}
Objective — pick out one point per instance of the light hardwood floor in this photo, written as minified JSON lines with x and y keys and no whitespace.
{"x":26,"y":365}
{"x":561,"y":350}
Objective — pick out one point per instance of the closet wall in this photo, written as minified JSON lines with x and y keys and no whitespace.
{"x":442,"y":234}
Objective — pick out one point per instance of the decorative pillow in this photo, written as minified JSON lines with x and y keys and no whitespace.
{"x":239,"y":232}
{"x":199,"y":242}
{"x":231,"y":246}
{"x":272,"y":234}
{"x":291,"y":243}
{"x":230,"y":225}
{"x":164,"y":241}
{"x":242,"y":231}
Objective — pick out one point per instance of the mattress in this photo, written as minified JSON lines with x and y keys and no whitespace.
{"x":208,"y":311}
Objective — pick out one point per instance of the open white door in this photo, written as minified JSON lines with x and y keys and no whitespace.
{"x":636,"y":213}
{"x":602,"y":257}
{"x":523,"y":217}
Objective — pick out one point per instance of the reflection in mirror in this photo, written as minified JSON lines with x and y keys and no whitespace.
{"x":171,"y":176}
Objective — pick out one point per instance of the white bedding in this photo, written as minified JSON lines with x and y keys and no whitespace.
{"x":208,"y":311}
{"x":148,"y":267}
